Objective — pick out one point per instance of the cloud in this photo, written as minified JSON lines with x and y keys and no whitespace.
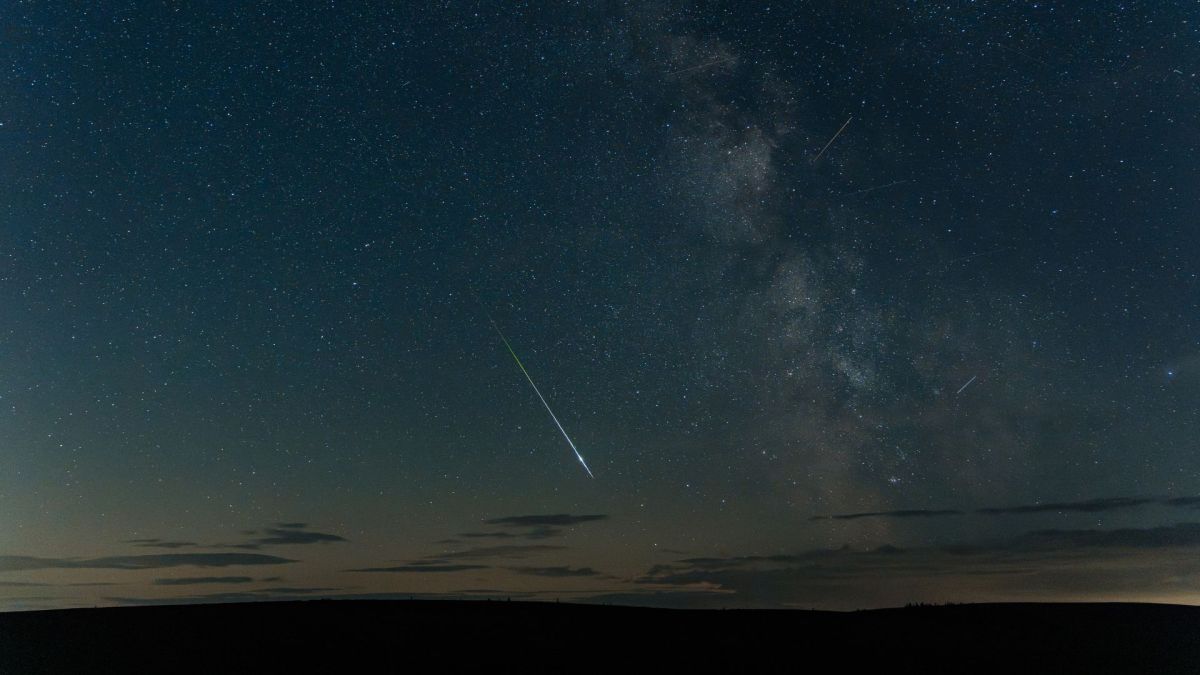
{"x":12,"y":563}
{"x":291,"y":590}
{"x":257,"y":595}
{"x":540,"y":532}
{"x":290,"y":594}
{"x":537,"y":526}
{"x":1166,"y":536}
{"x":20,"y":600}
{"x":557,"y":572}
{"x":282,"y":534}
{"x":908,"y":513}
{"x":417,"y":568}
{"x":289,"y":534}
{"x":551,"y":520}
{"x":1033,"y":566}
{"x":1099,"y":505}
{"x":159,"y":543}
{"x":446,"y":562}
{"x":192,"y":599}
{"x":192,"y":581}
{"x":1086,"y":506}
{"x":502,"y":551}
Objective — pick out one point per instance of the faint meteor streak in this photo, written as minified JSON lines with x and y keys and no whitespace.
{"x":960,"y":389}
{"x":835,"y":137}
{"x":872,"y":189}
{"x":726,"y":59}
{"x":539,"y":395}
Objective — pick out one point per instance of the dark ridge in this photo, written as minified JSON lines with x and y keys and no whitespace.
{"x":491,"y":636}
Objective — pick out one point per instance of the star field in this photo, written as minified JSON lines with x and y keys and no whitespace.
{"x":810,"y":286}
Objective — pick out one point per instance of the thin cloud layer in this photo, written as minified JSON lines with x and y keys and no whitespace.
{"x":533,"y":527}
{"x":422,"y":569}
{"x":1086,"y":506}
{"x":908,"y":513}
{"x":195,"y":581}
{"x":1100,"y":505}
{"x":551,"y":520}
{"x":11,"y":563}
{"x":285,"y":535}
{"x":280,"y":534}
{"x":522,"y":551}
{"x":1036,"y":564}
{"x":159,"y":543}
{"x":445,"y":562}
{"x":560,"y":571}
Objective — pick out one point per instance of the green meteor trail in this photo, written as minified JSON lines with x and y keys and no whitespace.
{"x":542,"y":398}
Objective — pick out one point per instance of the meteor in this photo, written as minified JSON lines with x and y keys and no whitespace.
{"x":542,"y":398}
{"x":960,"y":389}
{"x":835,"y":137}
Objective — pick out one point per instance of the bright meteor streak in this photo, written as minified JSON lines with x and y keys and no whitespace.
{"x":542,"y":398}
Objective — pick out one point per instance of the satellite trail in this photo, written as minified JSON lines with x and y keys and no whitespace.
{"x":539,"y":395}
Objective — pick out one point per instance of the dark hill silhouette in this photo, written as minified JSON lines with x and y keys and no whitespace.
{"x":498,"y":636}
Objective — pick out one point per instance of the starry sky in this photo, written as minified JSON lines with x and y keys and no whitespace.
{"x":844,"y":306}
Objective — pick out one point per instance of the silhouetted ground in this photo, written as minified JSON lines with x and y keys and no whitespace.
{"x":433,"y":636}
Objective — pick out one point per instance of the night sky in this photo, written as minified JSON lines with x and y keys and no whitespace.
{"x":250,"y":255}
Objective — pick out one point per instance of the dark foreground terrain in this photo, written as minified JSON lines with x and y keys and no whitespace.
{"x":440,"y":636}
